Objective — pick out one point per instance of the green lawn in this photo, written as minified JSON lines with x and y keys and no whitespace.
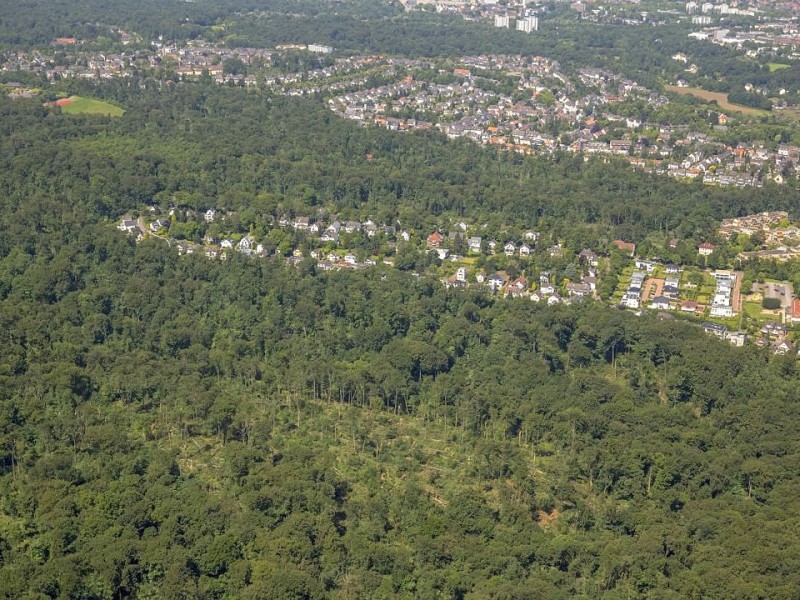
{"x":622,"y":286}
{"x":777,"y":67}
{"x":708,"y":287}
{"x":753,"y":310}
{"x":756,"y":312}
{"x":90,"y":106}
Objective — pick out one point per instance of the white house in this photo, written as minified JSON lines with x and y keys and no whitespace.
{"x":531,"y":236}
{"x":705,"y":249}
{"x":127,"y":225}
{"x":660,"y":303}
{"x":495,"y":282}
{"x":245,"y":244}
{"x":721,"y":310}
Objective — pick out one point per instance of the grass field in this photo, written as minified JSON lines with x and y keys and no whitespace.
{"x":777,"y":67}
{"x":753,"y":310}
{"x":78,"y":105}
{"x":718,"y":97}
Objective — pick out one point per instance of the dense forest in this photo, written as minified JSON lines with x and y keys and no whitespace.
{"x":177,"y":427}
{"x":260,"y":155}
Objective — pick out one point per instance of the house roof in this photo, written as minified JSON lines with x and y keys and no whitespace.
{"x":435,"y":238}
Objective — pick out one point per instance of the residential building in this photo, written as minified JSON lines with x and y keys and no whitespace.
{"x":127,"y":225}
{"x":528,"y":24}
{"x":706,"y":248}
{"x":435,"y":240}
{"x":714,"y":329}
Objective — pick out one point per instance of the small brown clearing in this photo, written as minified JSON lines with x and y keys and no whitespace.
{"x":546,"y":520}
{"x":62,"y":102}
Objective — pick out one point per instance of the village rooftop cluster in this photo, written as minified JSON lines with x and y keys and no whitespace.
{"x":767,"y":25}
{"x":548,"y":116}
{"x":330,"y":243}
{"x":546,"y":112}
{"x":778,"y":238}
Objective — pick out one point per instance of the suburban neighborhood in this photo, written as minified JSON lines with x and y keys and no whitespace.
{"x":527,"y":265}
{"x":528,"y":105}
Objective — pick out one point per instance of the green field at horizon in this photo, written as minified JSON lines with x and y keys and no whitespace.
{"x":81,"y":105}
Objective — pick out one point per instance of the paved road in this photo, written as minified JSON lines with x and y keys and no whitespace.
{"x":737,"y":293}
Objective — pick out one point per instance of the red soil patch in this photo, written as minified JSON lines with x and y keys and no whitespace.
{"x":64,"y":102}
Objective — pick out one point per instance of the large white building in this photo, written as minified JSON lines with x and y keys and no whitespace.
{"x":501,"y":21}
{"x":319,"y":49}
{"x":528,"y":24}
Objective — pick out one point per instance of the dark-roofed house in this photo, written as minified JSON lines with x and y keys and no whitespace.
{"x":127,"y":225}
{"x":714,"y":329}
{"x":660,"y":303}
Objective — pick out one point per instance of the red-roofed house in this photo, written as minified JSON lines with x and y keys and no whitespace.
{"x":435,"y":240}
{"x":796,"y":310}
{"x":689,"y":306}
{"x":705,"y":248}
{"x":519,"y":284}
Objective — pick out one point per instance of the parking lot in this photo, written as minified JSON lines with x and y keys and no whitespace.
{"x":782,"y":291}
